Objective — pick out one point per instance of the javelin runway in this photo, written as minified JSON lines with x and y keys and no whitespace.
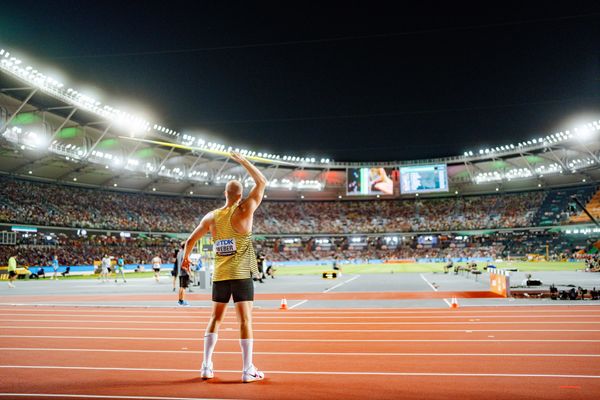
{"x":491,"y":352}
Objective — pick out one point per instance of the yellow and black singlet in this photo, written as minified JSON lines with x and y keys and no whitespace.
{"x":234,"y":254}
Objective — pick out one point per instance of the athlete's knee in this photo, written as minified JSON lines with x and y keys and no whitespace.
{"x":217,"y":317}
{"x":245,"y":321}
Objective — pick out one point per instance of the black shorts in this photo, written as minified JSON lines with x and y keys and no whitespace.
{"x":11,"y":274}
{"x":240,"y":289}
{"x":156,"y":269}
{"x":184,"y":281}
{"x":173,"y":273}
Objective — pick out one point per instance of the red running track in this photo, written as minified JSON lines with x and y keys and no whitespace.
{"x":484,"y":352}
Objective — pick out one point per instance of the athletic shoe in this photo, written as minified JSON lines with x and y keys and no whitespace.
{"x":252,"y":375}
{"x":207,"y":371}
{"x":173,"y":289}
{"x":115,"y":281}
{"x":183,"y":303}
{"x":10,"y":285}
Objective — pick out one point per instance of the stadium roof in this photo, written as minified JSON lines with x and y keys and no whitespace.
{"x":53,"y":132}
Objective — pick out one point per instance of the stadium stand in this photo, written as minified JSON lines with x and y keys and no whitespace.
{"x":44,"y":204}
{"x":38,"y":249}
{"x":593,"y":206}
{"x":555,"y":207}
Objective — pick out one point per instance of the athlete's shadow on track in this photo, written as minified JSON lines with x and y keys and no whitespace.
{"x":216,"y":381}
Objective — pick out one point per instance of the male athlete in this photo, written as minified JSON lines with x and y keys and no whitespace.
{"x":55,"y":267}
{"x":235,"y":263}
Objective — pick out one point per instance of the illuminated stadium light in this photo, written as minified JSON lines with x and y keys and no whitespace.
{"x":553,"y":168}
{"x":580,"y":163}
{"x":31,"y":75}
{"x":71,"y":151}
{"x":175,"y":173}
{"x":484,"y":177}
{"x":201,"y":176}
{"x":517,"y":173}
{"x":583,"y":132}
{"x":309,"y":185}
{"x":25,"y":138}
{"x":149,"y":167}
{"x":582,"y":231}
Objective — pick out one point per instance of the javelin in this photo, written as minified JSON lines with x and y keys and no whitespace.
{"x":218,"y":152}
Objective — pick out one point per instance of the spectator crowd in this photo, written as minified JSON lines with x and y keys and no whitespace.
{"x":25,"y":202}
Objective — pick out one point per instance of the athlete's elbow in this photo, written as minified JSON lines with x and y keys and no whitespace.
{"x":261,"y":182}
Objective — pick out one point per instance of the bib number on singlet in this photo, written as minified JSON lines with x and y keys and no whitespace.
{"x":225,"y":247}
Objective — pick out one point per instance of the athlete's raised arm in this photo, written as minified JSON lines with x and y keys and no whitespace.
{"x":260,"y":182}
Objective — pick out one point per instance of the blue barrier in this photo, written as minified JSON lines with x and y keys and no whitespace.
{"x":373,"y":261}
{"x":457,"y":259}
{"x":90,"y":268}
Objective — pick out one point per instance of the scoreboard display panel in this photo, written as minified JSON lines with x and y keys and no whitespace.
{"x":369,"y":181}
{"x":424,"y":179}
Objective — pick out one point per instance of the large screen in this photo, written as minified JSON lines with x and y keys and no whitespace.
{"x":369,"y":181}
{"x":424,"y":179}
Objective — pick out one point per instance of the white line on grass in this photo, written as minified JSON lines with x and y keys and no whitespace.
{"x":457,"y":374}
{"x":340,"y":284}
{"x":368,"y":354}
{"x":433,"y":287}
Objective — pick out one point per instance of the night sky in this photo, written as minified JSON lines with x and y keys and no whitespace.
{"x":352,"y":81}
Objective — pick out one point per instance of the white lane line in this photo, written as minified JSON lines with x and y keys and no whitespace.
{"x":294,"y":316}
{"x":292,"y":307}
{"x":434,"y":288}
{"x":492,"y":309}
{"x":429,"y":283}
{"x":370,"y":354}
{"x":310,"y":340}
{"x":306,"y":372}
{"x":340,"y":284}
{"x":95,"y":328}
{"x":202,"y":323}
{"x":99,"y":396}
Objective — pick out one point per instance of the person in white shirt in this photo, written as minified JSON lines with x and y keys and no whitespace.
{"x":105,"y":267}
{"x":156,"y":262}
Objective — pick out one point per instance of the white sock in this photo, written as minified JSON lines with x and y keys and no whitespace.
{"x":210,"y":340}
{"x":246,"y":345}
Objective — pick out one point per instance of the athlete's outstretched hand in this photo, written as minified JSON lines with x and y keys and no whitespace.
{"x":238,"y":157}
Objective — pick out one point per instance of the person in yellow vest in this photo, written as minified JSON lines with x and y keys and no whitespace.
{"x":235,"y":263}
{"x":12,"y":271}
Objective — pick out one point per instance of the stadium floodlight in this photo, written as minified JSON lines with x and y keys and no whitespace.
{"x":129,"y":122}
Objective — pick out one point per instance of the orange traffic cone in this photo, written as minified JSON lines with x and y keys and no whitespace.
{"x":283,"y":304}
{"x":454,"y":303}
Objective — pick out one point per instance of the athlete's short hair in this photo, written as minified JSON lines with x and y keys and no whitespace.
{"x":234,"y":188}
